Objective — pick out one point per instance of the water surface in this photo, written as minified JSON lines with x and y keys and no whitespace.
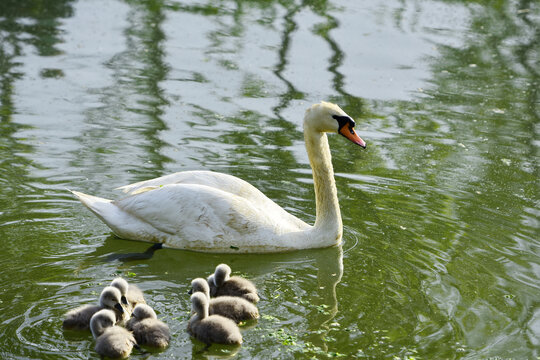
{"x":441,"y":213}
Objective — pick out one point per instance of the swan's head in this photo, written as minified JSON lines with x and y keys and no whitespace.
{"x":110,"y":298}
{"x":143,"y":311}
{"x":328,"y":117}
{"x":200,"y":285}
{"x":122,"y":285}
{"x":100,"y":321}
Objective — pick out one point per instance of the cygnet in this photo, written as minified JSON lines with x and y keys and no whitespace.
{"x":131,"y":294}
{"x":112,"y":341}
{"x":211,"y":328}
{"x":222,"y":284}
{"x":146,"y":327}
{"x":79,"y":318}
{"x":235,"y":308}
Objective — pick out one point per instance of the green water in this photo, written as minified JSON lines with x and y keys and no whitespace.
{"x":441,"y":212}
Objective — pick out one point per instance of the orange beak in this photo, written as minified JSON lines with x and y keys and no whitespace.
{"x":349,"y":133}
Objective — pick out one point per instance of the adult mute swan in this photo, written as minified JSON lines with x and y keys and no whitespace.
{"x":215,"y":212}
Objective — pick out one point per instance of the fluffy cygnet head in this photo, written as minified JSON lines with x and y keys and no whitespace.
{"x":100,"y":321}
{"x":143,"y":311}
{"x":110,"y":298}
{"x":222,"y":274}
{"x":200,"y":285}
{"x":328,"y":117}
{"x":122,"y":285}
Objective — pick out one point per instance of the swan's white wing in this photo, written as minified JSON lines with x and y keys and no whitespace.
{"x":201,"y":217}
{"x":220,"y":181}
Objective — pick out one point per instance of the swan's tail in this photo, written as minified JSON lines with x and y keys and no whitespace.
{"x":119,"y":221}
{"x":105,"y":210}
{"x":96,"y":204}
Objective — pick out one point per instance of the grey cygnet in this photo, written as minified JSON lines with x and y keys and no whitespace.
{"x":235,"y":308}
{"x":131,"y":294}
{"x":222,"y":284}
{"x":112,"y":341}
{"x":211,"y":328}
{"x":79,"y":318}
{"x":147,"y":329}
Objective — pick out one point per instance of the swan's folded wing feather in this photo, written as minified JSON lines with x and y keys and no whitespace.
{"x":221,"y":182}
{"x":198,"y":214}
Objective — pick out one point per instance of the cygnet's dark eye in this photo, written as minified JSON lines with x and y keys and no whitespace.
{"x":344,"y":120}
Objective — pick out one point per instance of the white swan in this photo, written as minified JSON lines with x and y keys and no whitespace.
{"x":215,"y":212}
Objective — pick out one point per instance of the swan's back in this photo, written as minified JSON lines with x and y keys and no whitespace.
{"x":223,"y":182}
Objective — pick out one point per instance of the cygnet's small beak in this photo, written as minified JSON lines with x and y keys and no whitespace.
{"x":190,"y":292}
{"x":349,"y":133}
{"x":119,"y":307}
{"x":124,"y":300}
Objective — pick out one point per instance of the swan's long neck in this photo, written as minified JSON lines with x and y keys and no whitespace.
{"x":328,"y":216}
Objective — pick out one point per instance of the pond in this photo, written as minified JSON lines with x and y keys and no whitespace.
{"x":441,"y":244}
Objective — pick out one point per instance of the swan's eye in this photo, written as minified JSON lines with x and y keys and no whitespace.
{"x":344,"y":120}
